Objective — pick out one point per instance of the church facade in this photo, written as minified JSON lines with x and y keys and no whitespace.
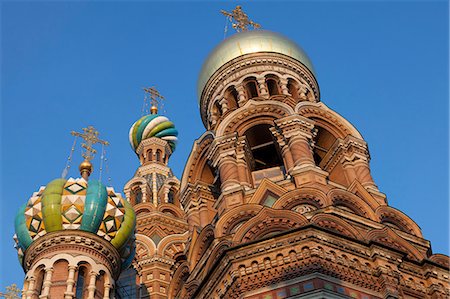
{"x":276,"y":201}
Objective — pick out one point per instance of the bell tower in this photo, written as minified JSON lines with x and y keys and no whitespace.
{"x":161,"y":230}
{"x":278,"y":191}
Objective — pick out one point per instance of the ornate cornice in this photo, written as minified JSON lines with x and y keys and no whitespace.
{"x":76,"y":242}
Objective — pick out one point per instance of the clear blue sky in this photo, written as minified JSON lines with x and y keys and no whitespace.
{"x":65,"y":65}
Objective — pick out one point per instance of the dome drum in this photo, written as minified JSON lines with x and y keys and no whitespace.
{"x":258,"y":79}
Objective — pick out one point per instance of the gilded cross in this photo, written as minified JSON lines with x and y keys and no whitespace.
{"x":90,"y":136}
{"x":155,"y":98}
{"x":241,"y":18}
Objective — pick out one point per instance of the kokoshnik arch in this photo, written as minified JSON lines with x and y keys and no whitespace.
{"x":276,"y":201}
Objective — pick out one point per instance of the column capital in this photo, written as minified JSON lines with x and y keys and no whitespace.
{"x":222,"y":147}
{"x":295,"y":125}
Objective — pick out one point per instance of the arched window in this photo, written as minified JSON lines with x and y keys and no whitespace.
{"x":272,"y":86}
{"x":81,"y":277}
{"x":264,"y":149}
{"x":171,"y":196}
{"x":210,"y":176}
{"x":324,"y":140}
{"x":251,"y":87}
{"x":158,"y":155}
{"x":39,"y":280}
{"x":136,"y":194}
{"x":231,"y":95}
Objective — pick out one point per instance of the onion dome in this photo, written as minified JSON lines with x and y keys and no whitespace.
{"x":153,"y":125}
{"x":249,"y":42}
{"x":77,"y":204}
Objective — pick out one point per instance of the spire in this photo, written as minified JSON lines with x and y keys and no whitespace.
{"x":241,"y":20}
{"x":90,"y":136}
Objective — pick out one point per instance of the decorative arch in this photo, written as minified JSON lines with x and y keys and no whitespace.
{"x":399,"y":219}
{"x":179,"y":278}
{"x":171,"y":245}
{"x":327,"y":118}
{"x":145,"y":207}
{"x":172,"y":209}
{"x":268,"y":221}
{"x":251,"y":114}
{"x":305,"y":195}
{"x":200,"y":245}
{"x":336,"y":224}
{"x":147,"y":243}
{"x":219,"y":248}
{"x":349,"y":200}
{"x":388,"y":237}
{"x":234,"y":217}
{"x":197,"y":160}
{"x":440,"y":259}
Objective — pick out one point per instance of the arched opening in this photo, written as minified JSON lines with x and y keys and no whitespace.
{"x":158,"y":156}
{"x":81,"y":282}
{"x":231,"y":95}
{"x":136,"y":195}
{"x":272,"y":85}
{"x":293,"y":88}
{"x":210,"y":176}
{"x":39,"y":276}
{"x":171,"y":196}
{"x":263,"y":147}
{"x":251,"y":87}
{"x":59,"y":278}
{"x":100,"y":285}
{"x":324,"y":140}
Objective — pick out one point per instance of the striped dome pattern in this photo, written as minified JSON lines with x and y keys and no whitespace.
{"x":76,"y":204}
{"x":153,"y":125}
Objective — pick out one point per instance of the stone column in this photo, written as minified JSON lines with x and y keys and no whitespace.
{"x":284,"y":88}
{"x":47,"y":283}
{"x":91,"y":286}
{"x":244,"y":161}
{"x":262,"y":87}
{"x":242,"y":97}
{"x":106,"y":289}
{"x":301,"y":151}
{"x":356,"y":162}
{"x":70,"y":282}
{"x":285,"y":151}
{"x":24,"y":289}
{"x":298,"y":132}
{"x":30,"y":290}
{"x":223,"y":156}
{"x":224,"y":104}
{"x":228,"y":172}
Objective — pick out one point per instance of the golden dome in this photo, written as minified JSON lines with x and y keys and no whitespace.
{"x":248,"y":42}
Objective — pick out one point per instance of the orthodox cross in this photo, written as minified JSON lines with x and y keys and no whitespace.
{"x":241,"y":19}
{"x":90,"y":136}
{"x":155,"y":98}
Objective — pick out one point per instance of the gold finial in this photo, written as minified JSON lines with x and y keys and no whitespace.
{"x":155,"y":98}
{"x":241,"y":18}
{"x":90,"y":136}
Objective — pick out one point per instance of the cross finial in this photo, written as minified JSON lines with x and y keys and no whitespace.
{"x":242,"y":22}
{"x":155,"y":98}
{"x":90,"y":136}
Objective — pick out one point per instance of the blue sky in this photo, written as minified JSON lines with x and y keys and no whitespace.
{"x":66,"y":65}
